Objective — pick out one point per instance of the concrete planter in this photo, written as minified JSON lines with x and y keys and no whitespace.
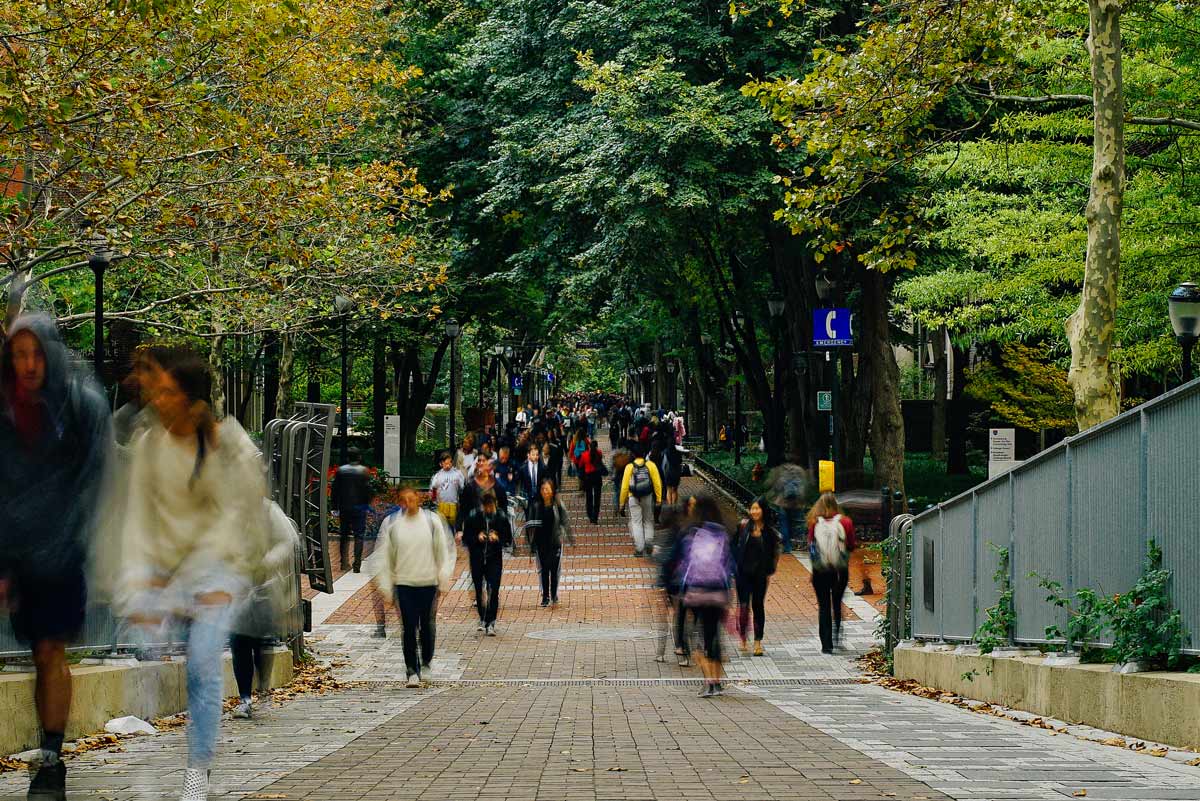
{"x":102,"y":692}
{"x":1154,"y":705}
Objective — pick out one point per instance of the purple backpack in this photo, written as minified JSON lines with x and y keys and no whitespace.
{"x":707,"y":561}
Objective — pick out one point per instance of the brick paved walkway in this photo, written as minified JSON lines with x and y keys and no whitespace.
{"x":569,"y":704}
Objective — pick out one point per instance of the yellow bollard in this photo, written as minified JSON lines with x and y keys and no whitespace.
{"x":825,"y":472}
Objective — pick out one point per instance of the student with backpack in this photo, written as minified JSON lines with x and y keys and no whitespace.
{"x":704,"y":570}
{"x":641,"y":489}
{"x":830,"y":541}
{"x":592,"y":471}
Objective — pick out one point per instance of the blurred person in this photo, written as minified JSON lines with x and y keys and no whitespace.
{"x":505,"y":470}
{"x":621,"y":457}
{"x":486,"y":533}
{"x":552,"y":455}
{"x":55,"y":446}
{"x":464,"y":460}
{"x":641,"y":489}
{"x":672,"y":465}
{"x":413,"y":560}
{"x":666,"y":551}
{"x":195,"y":532}
{"x":549,"y":527}
{"x":260,"y":616}
{"x":756,"y":554}
{"x":704,"y":566}
{"x":830,"y":541}
{"x":680,"y":427}
{"x":788,"y":485}
{"x":446,"y":488}
{"x":472,"y":495}
{"x":352,"y":498}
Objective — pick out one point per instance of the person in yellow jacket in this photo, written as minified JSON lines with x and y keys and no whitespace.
{"x":641,"y":488}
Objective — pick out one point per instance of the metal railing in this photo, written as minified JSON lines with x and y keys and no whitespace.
{"x":1081,"y":513}
{"x":714,"y":475}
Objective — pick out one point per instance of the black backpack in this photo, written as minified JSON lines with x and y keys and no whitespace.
{"x":641,"y":484}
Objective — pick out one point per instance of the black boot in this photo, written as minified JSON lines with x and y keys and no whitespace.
{"x":358,"y":549}
{"x":343,"y":551}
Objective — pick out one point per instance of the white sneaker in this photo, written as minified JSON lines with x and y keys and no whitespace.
{"x":481,"y":626}
{"x":491,"y":630}
{"x":414,"y":680}
{"x":195,"y":785}
{"x":244,"y":710}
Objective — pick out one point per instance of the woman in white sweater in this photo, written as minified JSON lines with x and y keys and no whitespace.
{"x":414,"y":557}
{"x":194,"y":529}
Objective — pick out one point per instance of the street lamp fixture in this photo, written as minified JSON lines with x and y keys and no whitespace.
{"x":1184,"y":306}
{"x":671,"y":367}
{"x":776,"y":305}
{"x":497,"y":350}
{"x":825,"y":287}
{"x":453,"y":330}
{"x":342,"y":306}
{"x":99,"y":261}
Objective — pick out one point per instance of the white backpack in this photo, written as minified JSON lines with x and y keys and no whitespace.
{"x":829,"y":545}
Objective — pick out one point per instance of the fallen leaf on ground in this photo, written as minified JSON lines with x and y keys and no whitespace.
{"x":1079,"y":793}
{"x":856,"y":781}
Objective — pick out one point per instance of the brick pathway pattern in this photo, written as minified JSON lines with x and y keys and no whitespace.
{"x":569,"y":704}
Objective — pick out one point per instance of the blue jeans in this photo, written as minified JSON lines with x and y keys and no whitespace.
{"x":790,"y":523}
{"x":207,"y":635}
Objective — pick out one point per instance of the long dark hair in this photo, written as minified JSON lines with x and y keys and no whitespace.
{"x":194,"y":378}
{"x":553,"y":489}
{"x":706,"y":510}
{"x":766,"y":510}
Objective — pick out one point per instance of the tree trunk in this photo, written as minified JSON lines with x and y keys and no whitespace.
{"x":1090,"y":328}
{"x":287,"y":359}
{"x":378,"y":391}
{"x":887,"y":421}
{"x":270,"y":376}
{"x":216,"y":363}
{"x":956,"y":415}
{"x":855,"y":395}
{"x":939,"y":394}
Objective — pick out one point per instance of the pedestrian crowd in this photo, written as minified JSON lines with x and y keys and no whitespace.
{"x":161,"y":511}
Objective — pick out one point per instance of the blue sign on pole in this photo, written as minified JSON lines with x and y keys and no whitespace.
{"x":831,"y":328}
{"x":549,"y":378}
{"x":518,"y":383}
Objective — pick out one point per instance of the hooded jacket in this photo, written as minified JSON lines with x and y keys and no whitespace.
{"x":51,"y":477}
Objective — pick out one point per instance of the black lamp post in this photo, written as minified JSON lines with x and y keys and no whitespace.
{"x":453,"y":329}
{"x":776,"y":306}
{"x":705,"y":345}
{"x":342,"y":306}
{"x":672,"y":389}
{"x":825,"y":291}
{"x":1184,"y":306}
{"x":99,"y":260}
{"x":497,"y":353}
{"x":739,"y":320}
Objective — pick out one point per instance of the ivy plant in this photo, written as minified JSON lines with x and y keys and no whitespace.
{"x":997,"y":627}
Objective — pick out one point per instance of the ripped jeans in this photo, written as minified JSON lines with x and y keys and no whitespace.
{"x":206,"y":628}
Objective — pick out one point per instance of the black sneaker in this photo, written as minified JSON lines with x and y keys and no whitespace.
{"x":545,"y":602}
{"x":717,"y":689}
{"x":707,"y":691}
{"x":49,"y":783}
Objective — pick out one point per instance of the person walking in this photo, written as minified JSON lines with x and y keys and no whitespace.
{"x":464,"y":460}
{"x":505,"y":470}
{"x":592,"y":471}
{"x":414,"y":560}
{"x":531,"y":473}
{"x":830,"y":541}
{"x":446,"y":488}
{"x":621,"y":457}
{"x":705,"y":572}
{"x":641,"y":489}
{"x":472,"y":495}
{"x":55,"y":443}
{"x":352,"y":498}
{"x":486,"y":533}
{"x":195,"y":531}
{"x":788,"y":484}
{"x":259,"y":617}
{"x":756,"y":554}
{"x":549,"y":527}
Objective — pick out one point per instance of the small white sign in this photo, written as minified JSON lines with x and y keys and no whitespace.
{"x":391,"y":444}
{"x":1002,"y":451}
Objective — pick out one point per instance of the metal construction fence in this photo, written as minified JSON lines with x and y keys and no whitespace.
{"x":1081,"y":513}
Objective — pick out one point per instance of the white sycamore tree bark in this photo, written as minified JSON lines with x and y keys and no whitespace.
{"x":1090,"y":328}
